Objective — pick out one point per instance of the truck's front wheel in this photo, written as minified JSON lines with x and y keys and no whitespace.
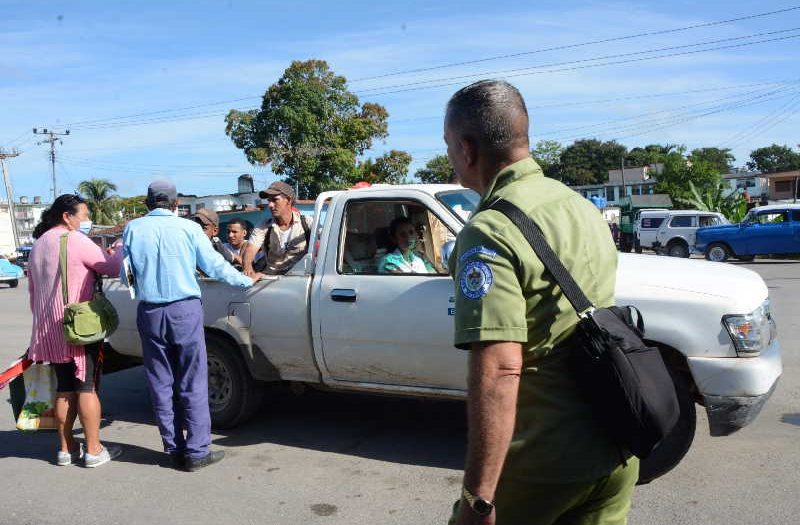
{"x":670,"y":452}
{"x":233,"y":394}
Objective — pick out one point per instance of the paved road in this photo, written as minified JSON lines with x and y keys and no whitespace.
{"x":352,"y":459}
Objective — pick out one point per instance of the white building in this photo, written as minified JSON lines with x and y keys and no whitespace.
{"x":28,"y":214}
{"x":245,"y":198}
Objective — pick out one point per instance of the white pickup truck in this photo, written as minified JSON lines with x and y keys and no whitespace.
{"x":335,"y":321}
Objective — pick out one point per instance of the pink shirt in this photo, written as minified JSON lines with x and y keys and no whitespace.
{"x":44,"y":286}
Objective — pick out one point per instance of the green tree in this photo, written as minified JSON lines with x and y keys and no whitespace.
{"x":733,"y":206}
{"x":436,"y":171}
{"x":389,"y":168}
{"x":310,"y":128}
{"x":649,"y":155}
{"x":679,"y":175}
{"x":720,"y":160}
{"x":130,"y":207}
{"x":773,"y":159}
{"x":98,"y":194}
{"x":587,"y":161}
{"x":547,"y":153}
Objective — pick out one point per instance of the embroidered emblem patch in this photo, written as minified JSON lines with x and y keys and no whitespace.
{"x":475,"y":280}
{"x":477,"y":250}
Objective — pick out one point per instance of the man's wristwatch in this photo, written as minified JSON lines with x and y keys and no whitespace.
{"x":479,"y":505}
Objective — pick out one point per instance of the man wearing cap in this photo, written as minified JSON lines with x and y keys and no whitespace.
{"x":283,"y":238}
{"x":163,"y":251}
{"x":209,"y":221}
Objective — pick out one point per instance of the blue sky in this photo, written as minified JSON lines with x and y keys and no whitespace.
{"x":83,"y":65}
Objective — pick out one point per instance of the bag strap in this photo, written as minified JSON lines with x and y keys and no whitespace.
{"x":533,"y":234}
{"x":62,"y":261}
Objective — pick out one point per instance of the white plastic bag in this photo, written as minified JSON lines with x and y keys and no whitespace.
{"x":38,"y":412}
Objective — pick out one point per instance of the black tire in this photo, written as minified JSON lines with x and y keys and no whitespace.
{"x":233,"y":394}
{"x":637,"y":247}
{"x":671,"y":451}
{"x":717,"y":252}
{"x":677,"y":249}
{"x":13,"y":284}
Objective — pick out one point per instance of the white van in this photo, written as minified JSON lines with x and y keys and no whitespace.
{"x":677,"y":234}
{"x":648,"y":221}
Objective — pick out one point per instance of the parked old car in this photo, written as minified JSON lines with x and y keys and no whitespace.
{"x":766,"y":230}
{"x":676,"y":235}
{"x":10,"y":273}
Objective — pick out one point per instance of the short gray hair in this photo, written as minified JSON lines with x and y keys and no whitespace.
{"x":491,"y":112}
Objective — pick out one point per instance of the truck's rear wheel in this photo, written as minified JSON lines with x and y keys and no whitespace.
{"x":233,"y":394}
{"x":670,"y":452}
{"x":677,"y":249}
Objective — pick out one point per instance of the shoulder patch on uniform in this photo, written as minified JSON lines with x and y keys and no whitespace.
{"x":477,"y":250}
{"x":475,"y":280}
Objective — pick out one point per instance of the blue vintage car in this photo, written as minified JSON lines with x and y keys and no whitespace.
{"x":10,"y":273}
{"x":766,"y":230}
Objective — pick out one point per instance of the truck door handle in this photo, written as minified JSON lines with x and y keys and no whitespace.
{"x":343,"y":295}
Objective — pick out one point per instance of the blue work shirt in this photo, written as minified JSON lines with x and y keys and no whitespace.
{"x":165,"y":252}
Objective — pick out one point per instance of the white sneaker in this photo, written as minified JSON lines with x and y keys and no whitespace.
{"x":108,"y":453}
{"x":68,"y":458}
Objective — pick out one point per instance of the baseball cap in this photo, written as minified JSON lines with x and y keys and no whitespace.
{"x":161,"y":190}
{"x":278,"y":188}
{"x":207,"y":216}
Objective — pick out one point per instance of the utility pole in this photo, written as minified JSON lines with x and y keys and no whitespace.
{"x":51,"y":139}
{"x":10,"y":193}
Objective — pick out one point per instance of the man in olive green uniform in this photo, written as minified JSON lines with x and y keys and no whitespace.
{"x":535,"y":455}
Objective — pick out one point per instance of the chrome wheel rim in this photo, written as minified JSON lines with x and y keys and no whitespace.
{"x":717,"y":254}
{"x":220,"y":384}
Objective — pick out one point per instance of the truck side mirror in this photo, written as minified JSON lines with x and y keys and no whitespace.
{"x":447,"y":251}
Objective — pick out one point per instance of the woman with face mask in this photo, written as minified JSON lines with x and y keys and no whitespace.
{"x":404,"y":259}
{"x":77,"y":367}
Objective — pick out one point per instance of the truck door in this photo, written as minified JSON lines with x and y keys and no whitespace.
{"x":771,"y":233}
{"x":385,"y":308}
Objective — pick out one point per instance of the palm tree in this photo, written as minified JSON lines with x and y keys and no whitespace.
{"x":97,"y":193}
{"x":732,"y":206}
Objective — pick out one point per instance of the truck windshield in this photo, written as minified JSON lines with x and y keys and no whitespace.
{"x":462,"y":202}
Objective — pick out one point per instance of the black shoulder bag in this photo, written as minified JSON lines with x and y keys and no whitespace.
{"x":625,"y":381}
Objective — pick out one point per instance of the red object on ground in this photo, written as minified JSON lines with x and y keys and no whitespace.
{"x":16,"y":368}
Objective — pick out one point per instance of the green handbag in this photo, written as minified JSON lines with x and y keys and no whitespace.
{"x":90,"y":321}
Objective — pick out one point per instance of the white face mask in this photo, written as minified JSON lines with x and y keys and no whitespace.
{"x":85,"y":227}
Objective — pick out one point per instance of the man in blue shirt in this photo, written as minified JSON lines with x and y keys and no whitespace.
{"x":164,"y":251}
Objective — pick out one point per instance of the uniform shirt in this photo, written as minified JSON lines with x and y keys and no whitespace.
{"x":164,"y":252}
{"x":281,"y":254}
{"x":395,"y":262}
{"x":503,"y":294}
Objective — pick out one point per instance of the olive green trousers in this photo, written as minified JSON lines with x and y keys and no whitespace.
{"x":606,"y":501}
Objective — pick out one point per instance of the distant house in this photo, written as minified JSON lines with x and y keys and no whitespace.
{"x":754,"y":183}
{"x":637,"y":180}
{"x":783,"y":185}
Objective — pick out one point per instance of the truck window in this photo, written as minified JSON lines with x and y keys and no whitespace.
{"x":709,"y":220}
{"x":651,"y":223}
{"x":369,"y":248}
{"x":681,"y":221}
{"x":772,"y":217}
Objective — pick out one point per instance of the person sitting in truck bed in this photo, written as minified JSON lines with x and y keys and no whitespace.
{"x":283,"y":238}
{"x":403,"y":259}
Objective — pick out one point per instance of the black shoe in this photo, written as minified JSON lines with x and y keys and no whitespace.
{"x":214,"y":456}
{"x":178,"y":461}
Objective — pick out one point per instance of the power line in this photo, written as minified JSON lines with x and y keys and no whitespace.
{"x":765,"y":123}
{"x":52,"y":138}
{"x":516,"y":72}
{"x":573,"y":46}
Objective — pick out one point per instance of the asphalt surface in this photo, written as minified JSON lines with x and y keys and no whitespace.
{"x":334,"y":458}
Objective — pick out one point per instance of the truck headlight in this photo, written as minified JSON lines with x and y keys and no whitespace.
{"x":753,"y":332}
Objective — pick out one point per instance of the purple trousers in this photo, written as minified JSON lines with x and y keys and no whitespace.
{"x":174,"y":352}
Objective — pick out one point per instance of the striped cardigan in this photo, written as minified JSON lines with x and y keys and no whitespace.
{"x":44,"y":286}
